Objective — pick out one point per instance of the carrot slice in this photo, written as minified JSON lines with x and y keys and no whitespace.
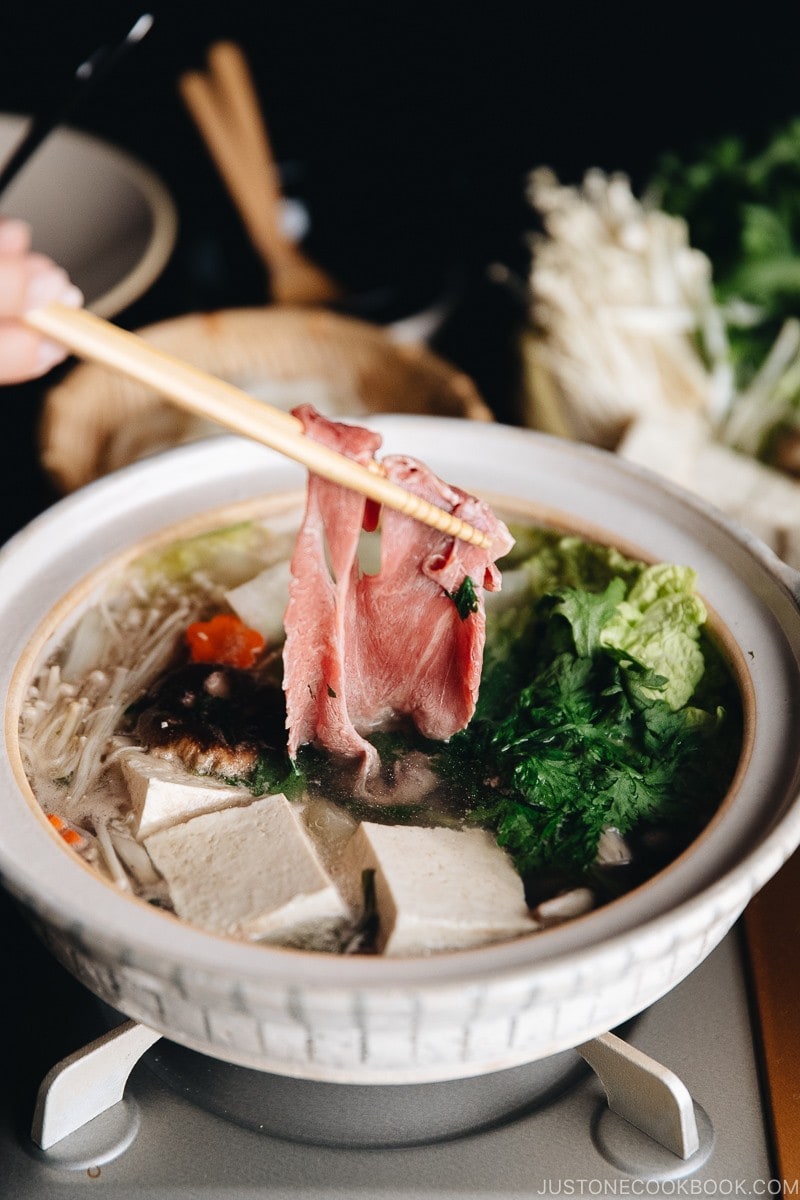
{"x":224,"y":639}
{"x":72,"y":837}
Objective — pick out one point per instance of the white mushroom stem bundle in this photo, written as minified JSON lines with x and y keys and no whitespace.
{"x":623,"y":313}
{"x":771,"y":398}
{"x":67,"y":726}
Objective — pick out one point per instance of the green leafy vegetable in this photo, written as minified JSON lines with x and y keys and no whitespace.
{"x":464,"y":598}
{"x":742,"y":206}
{"x":583,"y":721}
{"x":230,"y":555}
{"x":589,"y":614}
{"x":658,"y":626}
{"x":274,"y":772}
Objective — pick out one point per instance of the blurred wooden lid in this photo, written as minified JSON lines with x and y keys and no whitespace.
{"x":95,"y":420}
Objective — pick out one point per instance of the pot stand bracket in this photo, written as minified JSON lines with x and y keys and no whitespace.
{"x":84,"y":1086}
{"x":91,"y":1082}
{"x":648,"y":1096}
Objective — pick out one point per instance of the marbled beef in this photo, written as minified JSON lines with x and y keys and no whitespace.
{"x":364,"y":650}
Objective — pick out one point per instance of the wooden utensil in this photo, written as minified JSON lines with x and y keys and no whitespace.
{"x":225,"y":107}
{"x":91,"y":337}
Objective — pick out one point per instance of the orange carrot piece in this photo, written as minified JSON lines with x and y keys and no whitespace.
{"x":224,"y":639}
{"x":72,"y":837}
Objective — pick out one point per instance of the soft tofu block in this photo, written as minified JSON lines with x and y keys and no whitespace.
{"x":438,"y":889}
{"x":162,"y":793}
{"x":248,"y":870}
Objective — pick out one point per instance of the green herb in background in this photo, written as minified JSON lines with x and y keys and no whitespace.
{"x":742,"y":206}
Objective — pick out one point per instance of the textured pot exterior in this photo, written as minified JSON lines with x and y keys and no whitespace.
{"x":465,"y":1013}
{"x":399,"y":1035}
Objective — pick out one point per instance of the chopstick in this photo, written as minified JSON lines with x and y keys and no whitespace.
{"x":232,"y":84}
{"x":84,"y":78}
{"x":91,"y":337}
{"x":225,"y":107}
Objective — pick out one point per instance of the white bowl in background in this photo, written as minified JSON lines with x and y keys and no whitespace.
{"x":354,"y":1019}
{"x":95,"y":209}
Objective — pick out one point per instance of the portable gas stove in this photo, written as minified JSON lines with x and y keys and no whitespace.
{"x":162,"y":1139}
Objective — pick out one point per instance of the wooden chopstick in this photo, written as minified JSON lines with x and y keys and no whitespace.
{"x":91,"y":337}
{"x":256,"y":201}
{"x":225,"y":107}
{"x":229,"y":76}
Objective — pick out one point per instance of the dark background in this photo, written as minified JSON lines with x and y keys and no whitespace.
{"x":408,"y":130}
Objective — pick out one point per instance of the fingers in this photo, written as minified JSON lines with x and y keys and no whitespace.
{"x":25,"y":355}
{"x":15,"y":237}
{"x":27,"y":281}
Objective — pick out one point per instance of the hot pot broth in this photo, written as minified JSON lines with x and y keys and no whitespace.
{"x":574,"y":762}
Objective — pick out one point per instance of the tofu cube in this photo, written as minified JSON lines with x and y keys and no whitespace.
{"x":249,"y":871}
{"x":163,"y":793}
{"x":437,"y":889}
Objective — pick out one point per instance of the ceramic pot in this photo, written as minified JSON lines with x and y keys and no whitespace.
{"x":365,"y":1019}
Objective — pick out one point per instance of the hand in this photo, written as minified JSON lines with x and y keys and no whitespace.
{"x":28,"y":280}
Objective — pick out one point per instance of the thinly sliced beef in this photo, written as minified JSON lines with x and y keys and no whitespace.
{"x":364,"y":650}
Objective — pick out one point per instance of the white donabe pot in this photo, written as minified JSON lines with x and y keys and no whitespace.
{"x":367,"y":1019}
